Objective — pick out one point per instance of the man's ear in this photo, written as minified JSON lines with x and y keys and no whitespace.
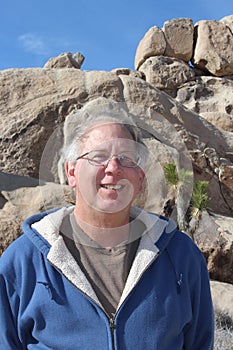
{"x":141,"y":179}
{"x":70,"y":173}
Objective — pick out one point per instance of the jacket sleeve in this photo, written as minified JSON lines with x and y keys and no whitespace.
{"x":199,"y":334}
{"x":9,"y":304}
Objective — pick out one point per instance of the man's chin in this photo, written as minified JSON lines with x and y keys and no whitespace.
{"x":111,"y":206}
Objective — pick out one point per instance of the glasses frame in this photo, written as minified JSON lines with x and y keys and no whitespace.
{"x":105,"y":163}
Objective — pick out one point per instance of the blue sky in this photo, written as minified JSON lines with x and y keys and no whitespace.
{"x":106,"y":32}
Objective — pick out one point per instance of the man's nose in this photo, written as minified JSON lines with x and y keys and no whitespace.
{"x":113,"y":164}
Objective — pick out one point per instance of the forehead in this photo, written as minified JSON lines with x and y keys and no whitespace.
{"x":111,"y":133}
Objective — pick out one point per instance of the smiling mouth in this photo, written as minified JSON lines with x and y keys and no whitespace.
{"x":112,"y":187}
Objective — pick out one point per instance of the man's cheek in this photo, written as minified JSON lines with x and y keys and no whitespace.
{"x":87,"y":183}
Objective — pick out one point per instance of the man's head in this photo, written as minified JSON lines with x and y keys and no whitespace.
{"x":105,"y":160}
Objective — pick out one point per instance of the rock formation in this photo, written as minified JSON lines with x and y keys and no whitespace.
{"x":181,"y":88}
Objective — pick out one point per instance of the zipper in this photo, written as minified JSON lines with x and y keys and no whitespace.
{"x":112,"y":327}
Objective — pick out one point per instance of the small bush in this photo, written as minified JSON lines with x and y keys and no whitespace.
{"x":200,"y":196}
{"x":170,"y":173}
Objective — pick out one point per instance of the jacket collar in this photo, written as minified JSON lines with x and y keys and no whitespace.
{"x":43,"y":230}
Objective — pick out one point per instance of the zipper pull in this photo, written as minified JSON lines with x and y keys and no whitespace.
{"x":112,"y":327}
{"x":112,"y":324}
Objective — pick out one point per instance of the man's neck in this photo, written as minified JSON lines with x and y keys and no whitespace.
{"x":106,"y":229}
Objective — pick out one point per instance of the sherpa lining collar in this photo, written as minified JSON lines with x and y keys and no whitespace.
{"x":60,"y":257}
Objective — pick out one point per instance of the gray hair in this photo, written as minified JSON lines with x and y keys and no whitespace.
{"x":96,"y":112}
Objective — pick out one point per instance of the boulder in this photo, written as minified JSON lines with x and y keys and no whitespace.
{"x":22,"y":202}
{"x":152,"y":44}
{"x":210,"y":97}
{"x":213,"y":234}
{"x":178,"y":33}
{"x":222,"y":295}
{"x":127,"y":71}
{"x":10,"y":226}
{"x":213,"y":48}
{"x":228,"y":21}
{"x":66,"y":60}
{"x":166,"y":73}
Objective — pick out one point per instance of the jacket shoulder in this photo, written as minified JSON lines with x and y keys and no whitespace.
{"x":15,"y":257}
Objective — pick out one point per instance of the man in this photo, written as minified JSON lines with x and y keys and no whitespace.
{"x":104,"y":274}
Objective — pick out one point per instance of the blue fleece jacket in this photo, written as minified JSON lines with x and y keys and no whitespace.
{"x":46,"y":302}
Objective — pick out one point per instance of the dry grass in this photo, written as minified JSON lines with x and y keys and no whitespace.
{"x":223,"y":331}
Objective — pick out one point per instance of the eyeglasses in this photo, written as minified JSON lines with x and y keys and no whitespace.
{"x":128,"y":159}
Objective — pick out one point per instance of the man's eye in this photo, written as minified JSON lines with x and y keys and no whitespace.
{"x":125,"y":158}
{"x":98,"y":157}
{"x":129,"y":157}
{"x":128,"y":160}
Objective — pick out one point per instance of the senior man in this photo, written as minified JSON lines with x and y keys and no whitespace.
{"x":103,"y":274}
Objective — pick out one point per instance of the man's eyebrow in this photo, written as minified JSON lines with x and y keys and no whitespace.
{"x":99,"y":149}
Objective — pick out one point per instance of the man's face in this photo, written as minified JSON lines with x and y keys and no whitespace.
{"x":107,"y":188}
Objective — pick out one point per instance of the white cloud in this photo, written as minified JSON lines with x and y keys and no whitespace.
{"x":34,"y":44}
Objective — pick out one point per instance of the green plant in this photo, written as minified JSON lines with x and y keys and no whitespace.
{"x":200,"y":198}
{"x":180,"y":182}
{"x":171,"y":174}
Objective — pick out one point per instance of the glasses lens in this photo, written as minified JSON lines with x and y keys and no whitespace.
{"x":129,"y":159}
{"x":98,"y":157}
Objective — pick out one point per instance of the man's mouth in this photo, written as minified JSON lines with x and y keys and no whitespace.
{"x":112,"y":187}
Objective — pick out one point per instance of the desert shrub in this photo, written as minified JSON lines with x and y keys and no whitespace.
{"x":200,"y":196}
{"x":171,"y":174}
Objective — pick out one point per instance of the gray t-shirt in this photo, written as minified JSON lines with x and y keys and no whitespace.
{"x":106,"y":269}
